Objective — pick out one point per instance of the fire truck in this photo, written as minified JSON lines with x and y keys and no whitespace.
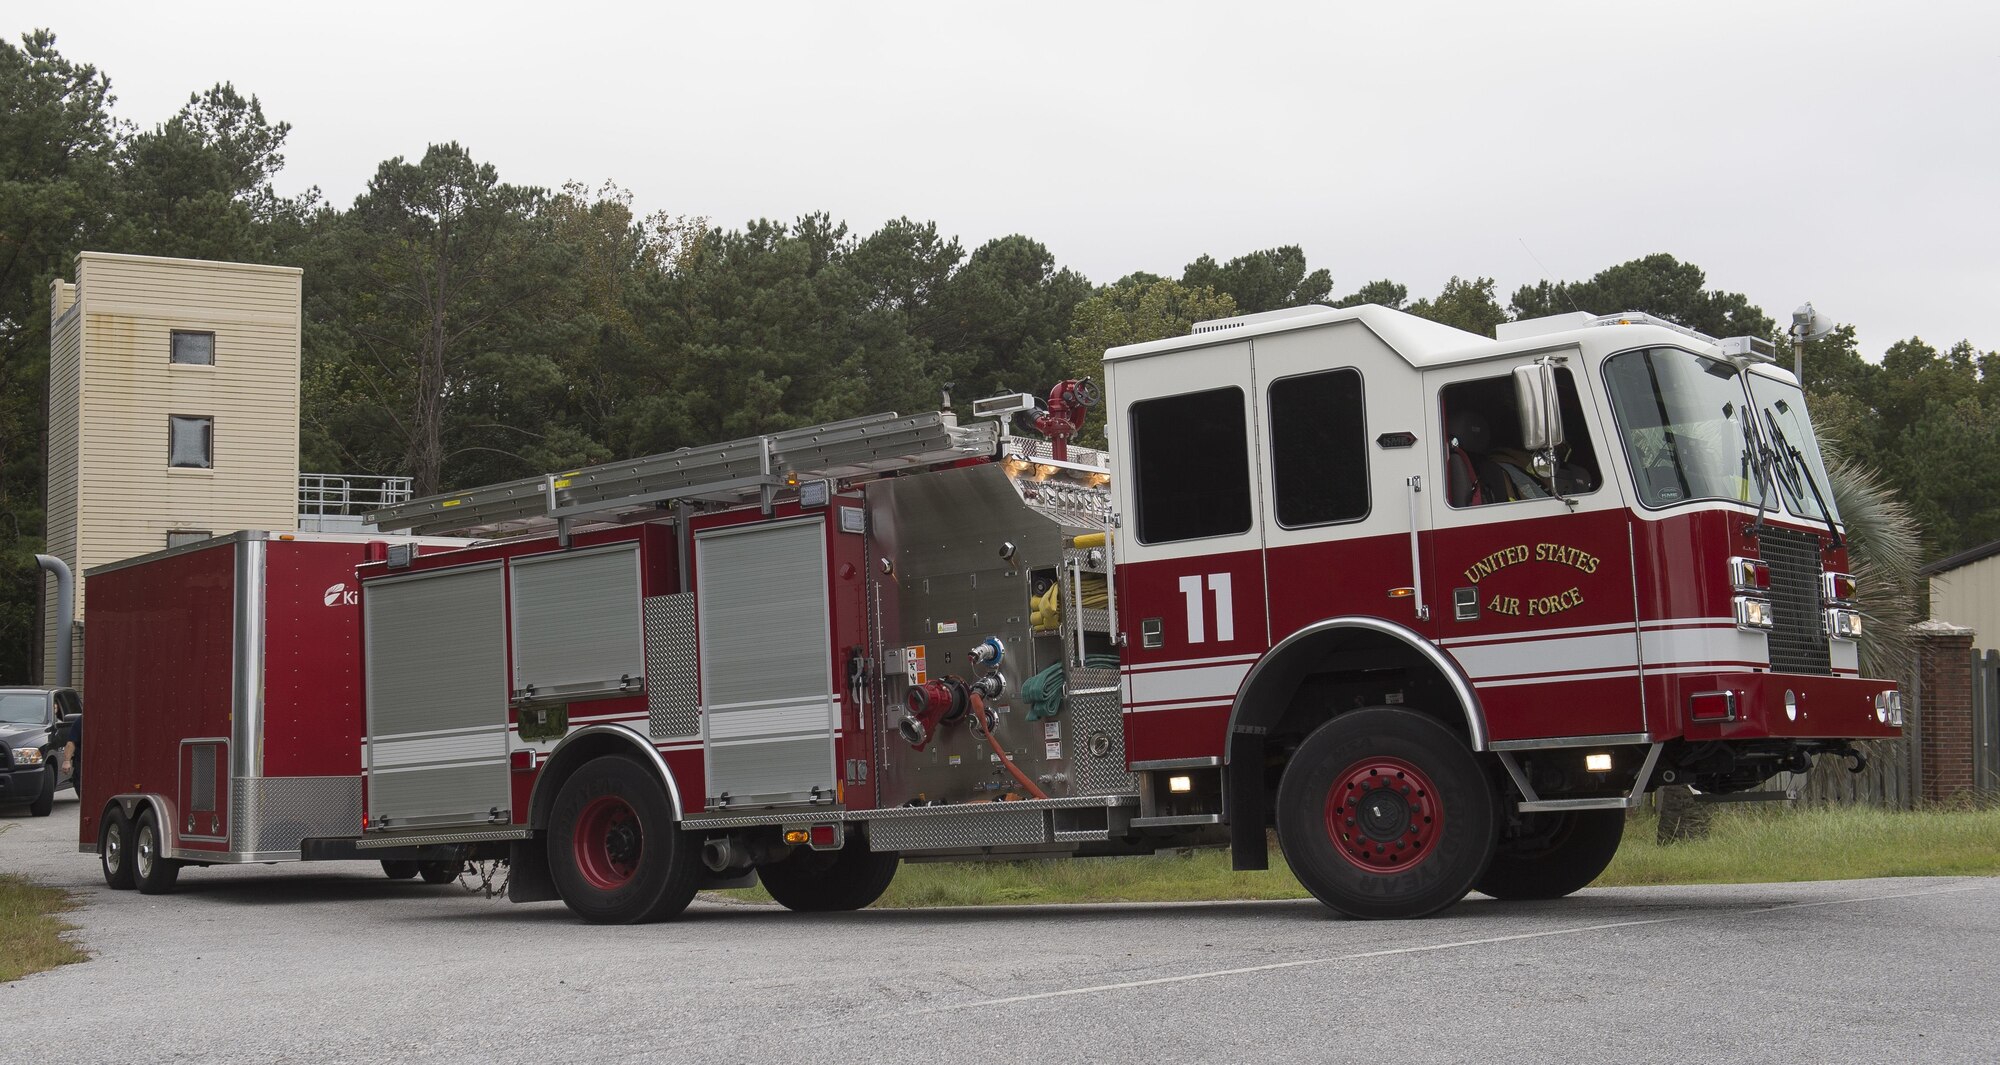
{"x":1433,"y":609}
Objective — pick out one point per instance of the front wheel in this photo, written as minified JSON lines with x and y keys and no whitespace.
{"x":810,"y":881}
{"x":113,"y":850}
{"x":1384,"y":813}
{"x":152,"y":871}
{"x":615,"y":853}
{"x":45,"y":802}
{"x":1554,"y":854}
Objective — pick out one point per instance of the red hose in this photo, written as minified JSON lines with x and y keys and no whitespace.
{"x":979,"y":722}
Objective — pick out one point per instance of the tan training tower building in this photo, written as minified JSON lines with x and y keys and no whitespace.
{"x":173,"y":410}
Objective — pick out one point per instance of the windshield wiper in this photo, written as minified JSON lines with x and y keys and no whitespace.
{"x":1801,"y":471}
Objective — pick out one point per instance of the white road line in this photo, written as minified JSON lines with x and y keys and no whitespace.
{"x":1303,"y":962}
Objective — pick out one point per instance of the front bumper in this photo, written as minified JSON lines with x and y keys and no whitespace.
{"x":24,"y":782}
{"x":1782,"y":706}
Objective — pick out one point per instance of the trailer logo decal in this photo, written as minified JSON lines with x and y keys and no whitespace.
{"x":341,"y":595}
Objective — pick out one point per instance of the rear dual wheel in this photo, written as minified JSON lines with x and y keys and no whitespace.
{"x":1385,"y":813}
{"x":615,"y":851}
{"x":810,"y":881}
{"x":442,"y":871}
{"x":1553,"y":854}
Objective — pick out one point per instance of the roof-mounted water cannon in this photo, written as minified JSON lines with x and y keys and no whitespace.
{"x":1069,"y":407}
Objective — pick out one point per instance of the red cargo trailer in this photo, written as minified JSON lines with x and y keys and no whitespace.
{"x":225,"y":692}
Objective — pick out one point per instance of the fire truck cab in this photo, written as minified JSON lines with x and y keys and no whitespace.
{"x":1438,"y":608}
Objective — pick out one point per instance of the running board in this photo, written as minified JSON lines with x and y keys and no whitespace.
{"x":1533,"y":803}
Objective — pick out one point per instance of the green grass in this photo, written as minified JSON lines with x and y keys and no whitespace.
{"x":1745,"y":846}
{"x":30,"y":933}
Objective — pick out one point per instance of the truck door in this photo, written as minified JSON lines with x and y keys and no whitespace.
{"x":1190,"y":552}
{"x":766,"y":652}
{"x":1533,"y":594}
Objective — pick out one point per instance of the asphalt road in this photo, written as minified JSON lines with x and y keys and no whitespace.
{"x":335,"y":963}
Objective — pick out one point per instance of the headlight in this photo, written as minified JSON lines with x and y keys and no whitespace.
{"x":1889,"y":708}
{"x":27,"y":756}
{"x":1752,"y":613}
{"x":1843,"y":624}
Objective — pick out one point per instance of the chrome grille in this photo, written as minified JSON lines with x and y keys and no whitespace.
{"x":1798,"y":637}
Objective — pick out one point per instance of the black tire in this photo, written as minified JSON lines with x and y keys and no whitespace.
{"x":442,"y":872}
{"x":152,"y":872}
{"x":114,"y":849}
{"x":810,"y":881}
{"x":46,"y":801}
{"x":615,"y":851}
{"x":1554,"y":855}
{"x":400,"y":868}
{"x":1384,"y":813}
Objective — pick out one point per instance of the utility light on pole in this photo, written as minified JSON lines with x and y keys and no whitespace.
{"x":1807,"y":324}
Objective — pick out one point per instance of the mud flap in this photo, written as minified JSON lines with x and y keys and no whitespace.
{"x":528,"y":879}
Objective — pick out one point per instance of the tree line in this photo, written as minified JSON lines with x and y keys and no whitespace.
{"x":464,"y":330}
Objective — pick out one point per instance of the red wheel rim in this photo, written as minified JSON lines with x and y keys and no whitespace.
{"x":1384,"y":815}
{"x":608,"y":842}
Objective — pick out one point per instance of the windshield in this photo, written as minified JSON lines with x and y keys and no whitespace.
{"x":1688,"y":435}
{"x":1684,"y":427}
{"x":24,"y":708}
{"x":1781,"y":410}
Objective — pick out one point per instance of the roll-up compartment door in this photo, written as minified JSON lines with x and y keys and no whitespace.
{"x":436,"y":647}
{"x":578,"y":624}
{"x":766,"y":664}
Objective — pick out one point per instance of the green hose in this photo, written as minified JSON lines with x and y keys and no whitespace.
{"x":1043,"y":692}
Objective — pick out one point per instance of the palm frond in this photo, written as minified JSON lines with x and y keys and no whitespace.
{"x":1883,"y":549}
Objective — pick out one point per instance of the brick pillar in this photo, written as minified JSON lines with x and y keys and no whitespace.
{"x":1944,"y":679}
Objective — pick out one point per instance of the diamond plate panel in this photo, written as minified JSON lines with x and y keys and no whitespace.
{"x":987,"y":826}
{"x":275,"y":813}
{"x":671,"y":685}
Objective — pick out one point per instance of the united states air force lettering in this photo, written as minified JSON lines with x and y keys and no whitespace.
{"x":1555,"y":602}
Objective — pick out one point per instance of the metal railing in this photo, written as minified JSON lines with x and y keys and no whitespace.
{"x":323,"y":494}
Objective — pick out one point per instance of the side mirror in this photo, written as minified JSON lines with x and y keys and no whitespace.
{"x":1536,"y":400}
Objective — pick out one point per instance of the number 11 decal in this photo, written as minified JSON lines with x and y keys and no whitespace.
{"x":1225,"y":608}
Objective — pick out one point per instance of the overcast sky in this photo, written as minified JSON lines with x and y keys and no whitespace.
{"x":1845,"y":153}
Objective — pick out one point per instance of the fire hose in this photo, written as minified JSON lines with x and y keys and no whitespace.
{"x":979,"y":722}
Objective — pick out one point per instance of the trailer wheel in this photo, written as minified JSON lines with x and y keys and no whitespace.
{"x":615,"y":853}
{"x":399,"y":868}
{"x":1384,"y":813}
{"x":440,"y":872}
{"x":1555,"y":854}
{"x":114,"y":850}
{"x":152,"y":872}
{"x":810,"y":881}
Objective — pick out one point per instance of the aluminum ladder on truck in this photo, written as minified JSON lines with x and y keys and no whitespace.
{"x":736,"y":472}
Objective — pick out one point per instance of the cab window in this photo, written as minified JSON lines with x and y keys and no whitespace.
{"x":1319,"y":449}
{"x":1484,"y":461}
{"x":1191,"y":462}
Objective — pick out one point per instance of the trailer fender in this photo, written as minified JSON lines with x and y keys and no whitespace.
{"x":1266,"y":695}
{"x":581,"y":746}
{"x":134,"y":803}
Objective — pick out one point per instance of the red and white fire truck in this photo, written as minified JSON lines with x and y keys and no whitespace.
{"x":1435,"y":607}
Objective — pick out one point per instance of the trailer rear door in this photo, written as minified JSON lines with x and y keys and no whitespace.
{"x":437,"y":698}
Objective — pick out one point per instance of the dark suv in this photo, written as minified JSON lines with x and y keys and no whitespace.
{"x":34,"y":723}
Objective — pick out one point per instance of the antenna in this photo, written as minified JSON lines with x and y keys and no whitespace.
{"x":1556,"y":285}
